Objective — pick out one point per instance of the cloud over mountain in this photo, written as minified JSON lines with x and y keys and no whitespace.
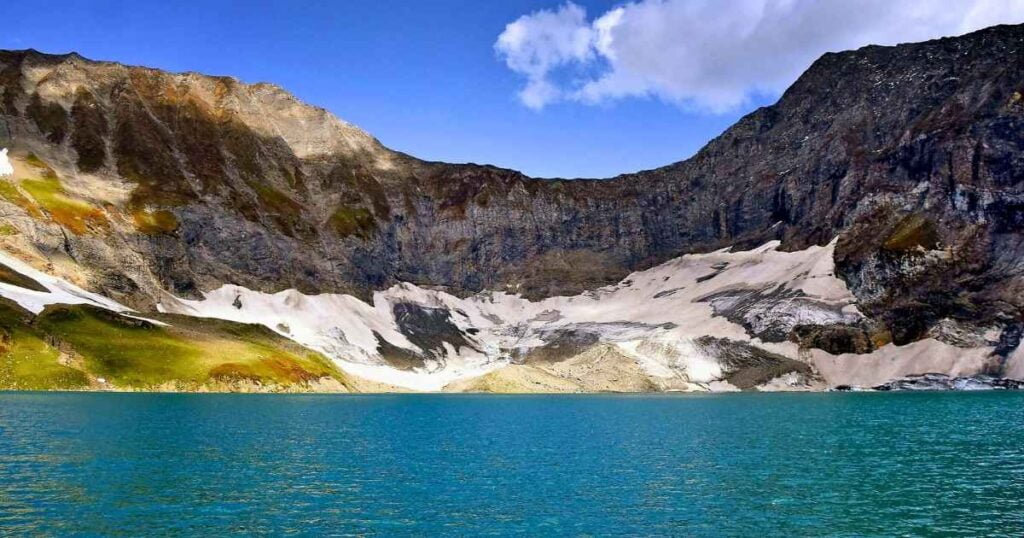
{"x":711,"y":56}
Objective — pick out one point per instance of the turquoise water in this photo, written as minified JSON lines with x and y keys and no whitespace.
{"x":739,"y":464}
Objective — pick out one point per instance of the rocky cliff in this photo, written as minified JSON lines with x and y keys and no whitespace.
{"x":141,"y":183}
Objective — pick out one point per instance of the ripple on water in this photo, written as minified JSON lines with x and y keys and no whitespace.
{"x":803,"y":464}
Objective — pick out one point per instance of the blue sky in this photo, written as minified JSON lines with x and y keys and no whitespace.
{"x":423,"y":77}
{"x":426,"y":78}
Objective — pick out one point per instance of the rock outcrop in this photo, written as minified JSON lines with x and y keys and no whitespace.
{"x":940,"y":382}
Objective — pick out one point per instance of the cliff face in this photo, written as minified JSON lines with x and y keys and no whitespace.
{"x":913,"y":155}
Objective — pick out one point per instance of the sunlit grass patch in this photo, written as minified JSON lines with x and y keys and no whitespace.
{"x":357,"y":221}
{"x":27,"y":361}
{"x":76,"y":215}
{"x":189,"y":353}
{"x":10,"y":192}
{"x":155,"y":222}
{"x":237,"y":351}
{"x":124,"y":351}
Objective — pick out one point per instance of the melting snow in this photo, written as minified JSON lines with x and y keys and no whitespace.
{"x":892,"y":362}
{"x":654,"y":315}
{"x":5,"y":164}
{"x":637,"y":315}
{"x":60,"y":291}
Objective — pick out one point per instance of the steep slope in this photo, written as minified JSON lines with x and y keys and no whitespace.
{"x":750,"y":320}
{"x":154,"y":188}
{"x":55,"y":335}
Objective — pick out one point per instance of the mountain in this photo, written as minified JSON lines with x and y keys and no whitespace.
{"x":865,"y":227}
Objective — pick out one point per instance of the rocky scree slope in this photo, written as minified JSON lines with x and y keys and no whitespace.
{"x":143,"y":183}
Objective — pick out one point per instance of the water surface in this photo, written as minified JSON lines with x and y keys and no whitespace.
{"x":738,"y":464}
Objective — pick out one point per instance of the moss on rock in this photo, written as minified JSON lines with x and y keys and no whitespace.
{"x":912,"y":233}
{"x":156,"y":222}
{"x":350,"y":221}
{"x":79,"y":216}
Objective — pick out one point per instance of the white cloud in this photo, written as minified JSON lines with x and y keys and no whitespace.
{"x":715,"y":55}
{"x":542,"y":41}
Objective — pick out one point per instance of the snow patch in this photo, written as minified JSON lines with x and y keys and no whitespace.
{"x":6,"y":169}
{"x":59,"y":290}
{"x":652,"y":315}
{"x":928,"y":356}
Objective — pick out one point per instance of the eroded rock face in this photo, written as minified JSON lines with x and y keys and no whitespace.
{"x":771,"y":313}
{"x":913,"y":154}
{"x":939,"y":382}
{"x":746,"y":366}
{"x":429,"y":329}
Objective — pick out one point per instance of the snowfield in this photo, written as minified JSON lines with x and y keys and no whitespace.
{"x":659,"y":319}
{"x":654,"y":316}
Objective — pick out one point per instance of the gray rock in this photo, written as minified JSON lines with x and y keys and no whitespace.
{"x":940,"y":382}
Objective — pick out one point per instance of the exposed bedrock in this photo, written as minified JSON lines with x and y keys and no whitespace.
{"x":939,"y":382}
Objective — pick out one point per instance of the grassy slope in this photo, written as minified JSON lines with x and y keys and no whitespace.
{"x":27,"y":361}
{"x":72,"y":347}
{"x":76,"y":215}
{"x":191,"y":354}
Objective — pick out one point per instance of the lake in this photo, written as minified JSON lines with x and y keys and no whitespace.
{"x":706,"y":465}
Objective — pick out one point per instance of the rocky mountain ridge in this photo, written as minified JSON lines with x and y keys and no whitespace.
{"x":148,"y":187}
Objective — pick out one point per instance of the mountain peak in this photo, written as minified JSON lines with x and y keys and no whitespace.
{"x":272,"y":194}
{"x":267,"y":109}
{"x":885,"y":190}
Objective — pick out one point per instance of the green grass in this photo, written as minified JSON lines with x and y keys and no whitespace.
{"x":191,"y":353}
{"x":27,"y":361}
{"x":76,"y":215}
{"x":155,"y":222}
{"x":348,"y":221}
{"x":122,"y":351}
{"x":10,"y":192}
{"x":67,"y":345}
